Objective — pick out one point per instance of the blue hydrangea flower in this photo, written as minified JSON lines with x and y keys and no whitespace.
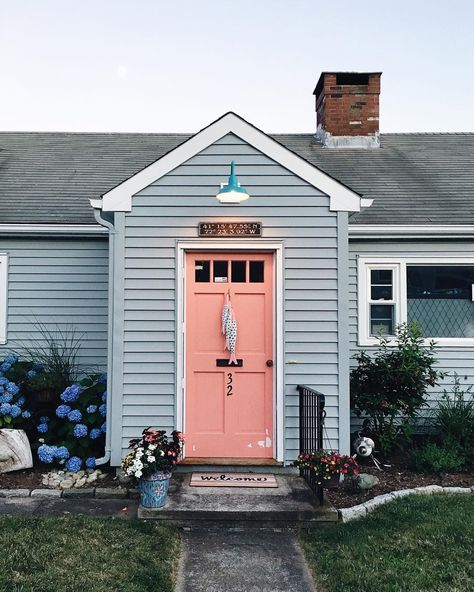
{"x":44,"y":419}
{"x":74,"y":415}
{"x":11,"y":358}
{"x":102,"y":379}
{"x":62,"y":453}
{"x":5,"y":408}
{"x":31,"y":373}
{"x":3,"y":381}
{"x":74,"y":464}
{"x":104,"y":397}
{"x":46,"y":453}
{"x":15,"y":411}
{"x":62,"y":411}
{"x":91,"y":409}
{"x":42,"y":428}
{"x":80,"y":430}
{"x":5,"y":398}
{"x":26,"y":414}
{"x":103,"y":409}
{"x":5,"y":367}
{"x":71,"y":394}
{"x":12,"y":388}
{"x":103,"y":427}
{"x":90,"y":462}
{"x":95,"y":433}
{"x":20,"y":401}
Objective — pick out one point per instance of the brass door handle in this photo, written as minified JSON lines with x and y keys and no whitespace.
{"x":269,"y":363}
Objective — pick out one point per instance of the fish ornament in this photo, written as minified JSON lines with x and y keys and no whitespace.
{"x":229,"y":329}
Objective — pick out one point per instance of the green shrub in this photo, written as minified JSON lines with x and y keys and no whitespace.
{"x":389,"y":387}
{"x":436,"y":459}
{"x":454,"y":420}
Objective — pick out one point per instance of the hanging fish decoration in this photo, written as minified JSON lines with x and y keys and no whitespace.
{"x":232,"y":337}
{"x":229,"y":329}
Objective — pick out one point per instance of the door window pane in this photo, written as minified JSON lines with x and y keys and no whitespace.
{"x":439,"y":298}
{"x":382,"y":319}
{"x":220,"y":272}
{"x":202,"y":271}
{"x":256,"y":271}
{"x":239,"y":273}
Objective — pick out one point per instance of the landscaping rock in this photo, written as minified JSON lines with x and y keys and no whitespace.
{"x":365,"y":481}
{"x":14,"y":492}
{"x":15,"y":451}
{"x":46,"y":493}
{"x":456,"y":489}
{"x":428,"y":490}
{"x":377,"y":501}
{"x":67,"y":484}
{"x":80,"y":482}
{"x":110,"y":492}
{"x":403,"y":493}
{"x":349,"y":514}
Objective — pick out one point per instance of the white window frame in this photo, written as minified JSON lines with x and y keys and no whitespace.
{"x":399,"y":265}
{"x":3,"y":297}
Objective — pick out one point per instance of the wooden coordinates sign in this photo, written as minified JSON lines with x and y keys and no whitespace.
{"x":230,"y":229}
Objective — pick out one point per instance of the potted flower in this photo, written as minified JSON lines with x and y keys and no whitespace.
{"x":151,"y":461}
{"x":328,"y":466}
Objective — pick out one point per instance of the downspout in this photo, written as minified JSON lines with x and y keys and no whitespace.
{"x":109,"y":225}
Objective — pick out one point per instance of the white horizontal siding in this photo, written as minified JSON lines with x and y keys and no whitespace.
{"x":59,"y":283}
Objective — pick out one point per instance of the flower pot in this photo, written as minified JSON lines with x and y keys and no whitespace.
{"x":153,"y":489}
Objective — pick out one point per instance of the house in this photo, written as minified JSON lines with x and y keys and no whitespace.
{"x":318,"y":241}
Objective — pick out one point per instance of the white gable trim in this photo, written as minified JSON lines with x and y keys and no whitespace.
{"x":119,"y":199}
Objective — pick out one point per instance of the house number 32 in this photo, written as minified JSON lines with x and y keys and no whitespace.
{"x":229,"y":383}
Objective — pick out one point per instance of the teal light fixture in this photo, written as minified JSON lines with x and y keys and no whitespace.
{"x":232,"y":192}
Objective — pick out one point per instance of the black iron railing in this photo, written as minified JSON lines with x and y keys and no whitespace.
{"x":312,"y":415}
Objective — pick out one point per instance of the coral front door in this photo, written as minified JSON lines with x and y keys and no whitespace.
{"x":229,"y":408}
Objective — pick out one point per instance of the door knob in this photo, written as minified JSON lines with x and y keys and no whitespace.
{"x":269,"y":363}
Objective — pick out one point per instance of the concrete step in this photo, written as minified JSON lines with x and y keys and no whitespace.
{"x":291,"y":504}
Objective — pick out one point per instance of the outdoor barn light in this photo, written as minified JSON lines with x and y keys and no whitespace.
{"x":232,"y":192}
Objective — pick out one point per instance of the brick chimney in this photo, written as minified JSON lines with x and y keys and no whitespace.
{"x":347,"y":107}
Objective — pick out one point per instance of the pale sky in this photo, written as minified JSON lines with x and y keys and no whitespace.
{"x":177,"y":65}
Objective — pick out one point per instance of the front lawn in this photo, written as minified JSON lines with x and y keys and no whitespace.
{"x":416,"y":544}
{"x":86,"y":554}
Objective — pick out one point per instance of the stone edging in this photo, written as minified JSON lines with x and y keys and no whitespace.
{"x":362,"y":510}
{"x":86,"y":492}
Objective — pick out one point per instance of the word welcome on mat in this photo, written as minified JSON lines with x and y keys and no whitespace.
{"x":232,"y":480}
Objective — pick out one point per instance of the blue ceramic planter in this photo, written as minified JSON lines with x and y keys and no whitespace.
{"x":154,"y":489}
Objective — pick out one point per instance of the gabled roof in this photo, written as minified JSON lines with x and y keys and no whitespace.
{"x":119,"y":199}
{"x":413,"y":178}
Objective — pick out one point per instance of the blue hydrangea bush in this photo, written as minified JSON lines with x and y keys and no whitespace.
{"x":74,"y":435}
{"x":14,"y":408}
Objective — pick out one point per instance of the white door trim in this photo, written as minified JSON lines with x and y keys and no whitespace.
{"x":278,"y":335}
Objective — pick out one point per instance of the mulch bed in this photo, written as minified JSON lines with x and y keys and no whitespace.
{"x":32,"y":479}
{"x":394,"y":478}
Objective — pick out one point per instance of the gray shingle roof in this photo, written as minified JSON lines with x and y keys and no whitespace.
{"x":413,"y":178}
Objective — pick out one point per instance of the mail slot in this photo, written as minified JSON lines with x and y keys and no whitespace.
{"x":224,"y":363}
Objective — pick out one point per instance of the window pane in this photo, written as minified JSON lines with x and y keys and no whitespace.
{"x":239,"y":272}
{"x":220,"y":272}
{"x":439,"y":298}
{"x":381,"y":284}
{"x":256,"y":271}
{"x":382,"y":319}
{"x":202,"y":271}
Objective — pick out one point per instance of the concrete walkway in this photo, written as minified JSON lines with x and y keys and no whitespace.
{"x":253,"y":560}
{"x":215,"y":559}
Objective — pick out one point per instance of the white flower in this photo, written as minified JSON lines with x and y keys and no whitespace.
{"x":151,"y":459}
{"x":162,"y":453}
{"x":152,"y":447}
{"x":138,"y":474}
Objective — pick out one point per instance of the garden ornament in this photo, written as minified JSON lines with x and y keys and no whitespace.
{"x":15,"y":451}
{"x":364,"y":446}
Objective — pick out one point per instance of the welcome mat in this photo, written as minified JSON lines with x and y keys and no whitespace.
{"x":232,"y":480}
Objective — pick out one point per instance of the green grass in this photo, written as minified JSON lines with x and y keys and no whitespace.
{"x":415,"y":544}
{"x":86,"y":555}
